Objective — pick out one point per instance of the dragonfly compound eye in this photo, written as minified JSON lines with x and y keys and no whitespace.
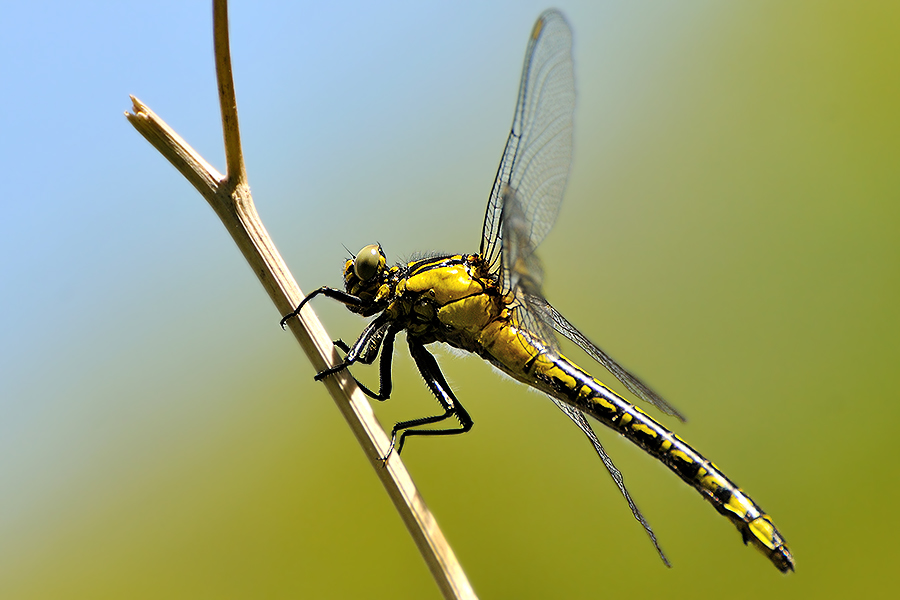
{"x":368,"y":262}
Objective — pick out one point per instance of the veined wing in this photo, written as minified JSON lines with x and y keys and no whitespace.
{"x":535,"y":322}
{"x":529,"y":188}
{"x":541,"y":310}
{"x":525,"y":201}
{"x":538,"y":152}
{"x":523,"y":272}
{"x":581,"y":421}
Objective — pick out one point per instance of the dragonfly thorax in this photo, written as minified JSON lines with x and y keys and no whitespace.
{"x":448,"y":299}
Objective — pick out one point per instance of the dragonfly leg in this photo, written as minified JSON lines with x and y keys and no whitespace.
{"x":340,"y":296}
{"x":366,"y":356}
{"x":385,"y":384}
{"x":435,"y":381}
{"x":364,"y":349}
{"x":378,"y":335}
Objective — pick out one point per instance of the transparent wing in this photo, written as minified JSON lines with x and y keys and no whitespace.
{"x":534,"y":321}
{"x":525,"y":201}
{"x":535,"y":164}
{"x":522,"y":274}
{"x":539,"y":309}
{"x":520,"y":266}
{"x":579,"y":419}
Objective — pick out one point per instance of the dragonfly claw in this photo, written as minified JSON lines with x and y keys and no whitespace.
{"x":384,"y":459}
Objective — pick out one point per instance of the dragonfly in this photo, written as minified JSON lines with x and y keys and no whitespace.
{"x":491,"y":304}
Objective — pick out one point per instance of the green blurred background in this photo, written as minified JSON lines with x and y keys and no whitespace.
{"x":730,"y":232}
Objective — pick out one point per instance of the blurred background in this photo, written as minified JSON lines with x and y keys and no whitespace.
{"x":730,"y":233}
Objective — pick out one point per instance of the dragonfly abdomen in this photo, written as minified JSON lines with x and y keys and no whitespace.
{"x":554,"y":374}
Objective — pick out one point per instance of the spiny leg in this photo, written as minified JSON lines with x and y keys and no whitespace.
{"x":340,"y":296}
{"x":378,"y":335}
{"x":385,"y":342}
{"x":435,"y":381}
{"x":385,"y":383}
{"x":364,"y":348}
{"x":366,"y":356}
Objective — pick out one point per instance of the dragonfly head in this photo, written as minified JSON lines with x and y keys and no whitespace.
{"x":366,"y":275}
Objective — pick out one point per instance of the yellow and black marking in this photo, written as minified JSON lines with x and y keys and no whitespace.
{"x":452,"y":299}
{"x":491,"y":304}
{"x":556,"y":375}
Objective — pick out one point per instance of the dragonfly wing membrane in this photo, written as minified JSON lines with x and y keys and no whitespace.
{"x":521,"y":268}
{"x":545,"y":312}
{"x":581,"y":421}
{"x":538,"y":154}
{"x":527,"y":193}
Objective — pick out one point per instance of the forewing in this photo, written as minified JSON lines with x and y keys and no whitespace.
{"x":521,"y":268}
{"x":541,"y":310}
{"x":525,"y":201}
{"x":535,"y":164}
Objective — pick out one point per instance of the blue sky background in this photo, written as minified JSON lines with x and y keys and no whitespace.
{"x":729,"y":232}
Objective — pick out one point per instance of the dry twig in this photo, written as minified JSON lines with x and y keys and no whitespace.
{"x":230,"y":198}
